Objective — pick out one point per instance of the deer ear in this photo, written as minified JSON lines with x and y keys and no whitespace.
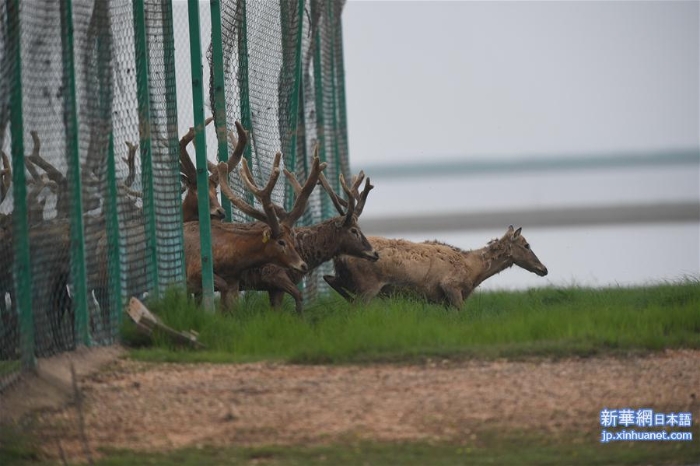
{"x":267,"y":232}
{"x":517,"y":232}
{"x":509,"y":232}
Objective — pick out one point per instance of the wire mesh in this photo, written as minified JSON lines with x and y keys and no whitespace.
{"x":283,"y":80}
{"x":165,"y":148}
{"x":48,"y":197}
{"x":9,"y":318}
{"x":274,"y":73}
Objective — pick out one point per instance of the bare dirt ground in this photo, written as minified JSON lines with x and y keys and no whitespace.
{"x":145,"y":406}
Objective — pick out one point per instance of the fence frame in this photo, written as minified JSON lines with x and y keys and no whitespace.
{"x":143,"y":104}
{"x":77,"y":229}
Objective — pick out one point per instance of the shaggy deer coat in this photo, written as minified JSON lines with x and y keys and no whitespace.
{"x":435,"y":271}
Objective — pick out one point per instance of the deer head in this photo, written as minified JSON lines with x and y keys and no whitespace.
{"x":190,"y":209}
{"x":519,"y":251}
{"x":351,"y":239}
{"x":277,"y":235}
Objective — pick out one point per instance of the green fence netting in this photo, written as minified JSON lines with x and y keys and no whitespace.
{"x":94,"y":96}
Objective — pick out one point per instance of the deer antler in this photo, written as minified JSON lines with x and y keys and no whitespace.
{"x":265,"y":194}
{"x":234,"y":159}
{"x":53,"y":173}
{"x":243,"y":206}
{"x":187,"y":168}
{"x":338,"y":203}
{"x":131,"y":163}
{"x":302,"y":194}
{"x":354,"y":198}
{"x":362,"y":197}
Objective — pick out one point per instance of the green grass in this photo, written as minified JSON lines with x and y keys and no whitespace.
{"x":484,"y":448}
{"x":539,"y":322}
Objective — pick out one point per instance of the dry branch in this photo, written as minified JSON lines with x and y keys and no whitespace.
{"x":147,"y":322}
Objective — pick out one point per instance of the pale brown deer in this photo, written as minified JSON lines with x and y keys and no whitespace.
{"x":434,"y":271}
{"x":190,"y":211}
{"x":318,"y":243}
{"x":237,"y":247}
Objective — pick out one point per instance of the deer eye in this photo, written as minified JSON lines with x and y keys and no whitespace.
{"x":527,"y":246}
{"x":353,"y":231}
{"x":282,"y":243}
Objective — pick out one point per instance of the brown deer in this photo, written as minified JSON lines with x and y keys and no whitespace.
{"x":435,"y":271}
{"x":318,"y":243}
{"x":190,"y":210}
{"x":49,"y":243}
{"x":237,"y":247}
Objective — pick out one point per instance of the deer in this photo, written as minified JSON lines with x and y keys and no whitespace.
{"x":437,"y":272}
{"x":318,"y":243}
{"x":49,"y":242}
{"x":190,"y":210}
{"x":98,"y":264}
{"x":240,"y":246}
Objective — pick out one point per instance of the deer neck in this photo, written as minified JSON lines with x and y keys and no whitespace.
{"x":491,"y":261}
{"x":318,"y":243}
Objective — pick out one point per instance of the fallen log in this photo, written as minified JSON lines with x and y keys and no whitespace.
{"x":147,"y":322}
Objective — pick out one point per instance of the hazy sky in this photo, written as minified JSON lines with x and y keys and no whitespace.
{"x":436,"y":80}
{"x":461,"y":79}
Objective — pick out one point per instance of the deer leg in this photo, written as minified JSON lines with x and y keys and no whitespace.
{"x":335,"y":283}
{"x":102,"y":298}
{"x":281,"y":284}
{"x":223,"y":287}
{"x":369,"y":291}
{"x":453,"y":295}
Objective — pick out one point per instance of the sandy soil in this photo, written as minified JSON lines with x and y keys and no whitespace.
{"x":163,"y":406}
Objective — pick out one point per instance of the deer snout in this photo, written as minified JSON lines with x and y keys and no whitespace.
{"x":302,"y":267}
{"x":372,"y":256}
{"x":542,"y":271}
{"x":218,"y":213}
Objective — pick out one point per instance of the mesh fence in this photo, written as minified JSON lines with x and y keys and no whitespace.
{"x":94,"y":95}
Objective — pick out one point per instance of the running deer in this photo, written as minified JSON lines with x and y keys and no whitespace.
{"x":318,"y":243}
{"x":237,"y":247}
{"x":190,"y":210}
{"x":436,"y":271}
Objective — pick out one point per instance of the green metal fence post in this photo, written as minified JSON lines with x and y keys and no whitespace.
{"x":70,"y":123}
{"x":21,"y":265}
{"x":143,"y":88}
{"x":171,"y":110}
{"x":340,"y":82}
{"x":292,"y":110}
{"x":243,"y":85}
{"x":219,"y":94}
{"x":320,"y":114}
{"x":334,"y":93}
{"x":201,"y":148}
{"x":115,"y":281}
